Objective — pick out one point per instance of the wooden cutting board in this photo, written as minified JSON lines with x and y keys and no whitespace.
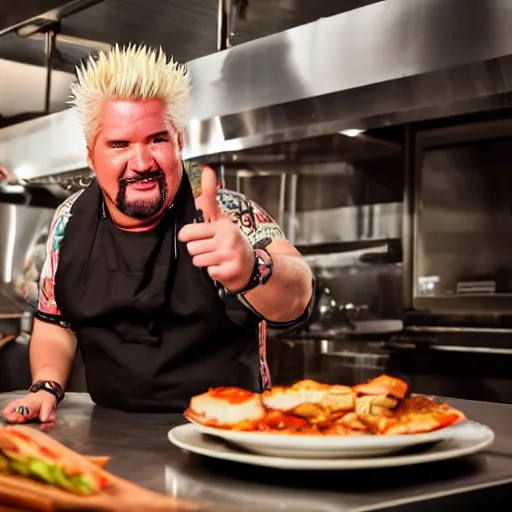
{"x":122,"y":496}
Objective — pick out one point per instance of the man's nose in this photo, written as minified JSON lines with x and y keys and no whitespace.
{"x":142,"y":159}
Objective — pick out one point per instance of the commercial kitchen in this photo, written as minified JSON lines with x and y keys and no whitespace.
{"x":378,"y":135}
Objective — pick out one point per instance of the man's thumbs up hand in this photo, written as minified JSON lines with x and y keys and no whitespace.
{"x":218,"y":244}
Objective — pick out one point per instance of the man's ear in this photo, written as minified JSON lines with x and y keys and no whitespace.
{"x":89,"y":158}
{"x":181,"y":140}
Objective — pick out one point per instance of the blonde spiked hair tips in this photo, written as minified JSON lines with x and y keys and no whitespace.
{"x":130,"y":73}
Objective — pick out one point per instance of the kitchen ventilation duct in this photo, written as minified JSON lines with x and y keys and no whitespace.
{"x":386,"y":63}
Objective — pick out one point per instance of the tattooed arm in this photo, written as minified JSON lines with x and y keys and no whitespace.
{"x":52,"y":345}
{"x":288,"y":293}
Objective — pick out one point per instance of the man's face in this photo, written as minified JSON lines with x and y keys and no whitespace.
{"x":135,"y":158}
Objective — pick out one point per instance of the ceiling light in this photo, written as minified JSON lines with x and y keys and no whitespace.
{"x":354,"y":132}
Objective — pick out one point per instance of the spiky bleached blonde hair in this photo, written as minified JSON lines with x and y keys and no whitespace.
{"x":130,"y":73}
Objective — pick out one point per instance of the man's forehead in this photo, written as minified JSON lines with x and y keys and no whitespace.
{"x":140,"y":115}
{"x":134,"y":110}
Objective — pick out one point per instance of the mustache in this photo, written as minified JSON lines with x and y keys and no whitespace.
{"x":146,"y":175}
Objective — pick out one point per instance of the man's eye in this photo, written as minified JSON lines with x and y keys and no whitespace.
{"x":160,"y":139}
{"x":118,"y":144}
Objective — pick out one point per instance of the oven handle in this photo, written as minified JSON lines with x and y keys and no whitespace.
{"x":451,"y":348}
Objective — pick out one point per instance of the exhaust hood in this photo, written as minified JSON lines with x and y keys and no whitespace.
{"x":22,"y":89}
{"x":384,"y":64}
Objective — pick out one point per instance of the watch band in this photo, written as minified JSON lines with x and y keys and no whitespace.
{"x":262,"y":271}
{"x":50,"y":386}
{"x":266,"y":265}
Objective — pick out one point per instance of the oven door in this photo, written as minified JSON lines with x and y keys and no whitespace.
{"x":459,"y":268}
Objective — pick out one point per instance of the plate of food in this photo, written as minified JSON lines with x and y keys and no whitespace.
{"x":319,"y":421}
{"x":469,"y":438}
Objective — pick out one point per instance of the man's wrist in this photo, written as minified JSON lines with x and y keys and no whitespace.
{"x":49,"y":386}
{"x":261,"y":273}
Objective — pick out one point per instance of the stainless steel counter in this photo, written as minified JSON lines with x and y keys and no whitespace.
{"x":141,"y":452}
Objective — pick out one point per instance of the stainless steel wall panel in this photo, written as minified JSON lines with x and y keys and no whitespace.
{"x":45,"y":146}
{"x":20,"y":229}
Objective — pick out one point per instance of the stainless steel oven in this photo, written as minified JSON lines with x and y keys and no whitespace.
{"x":458,"y":227}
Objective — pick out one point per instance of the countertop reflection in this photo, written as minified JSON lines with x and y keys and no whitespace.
{"x":141,"y":452}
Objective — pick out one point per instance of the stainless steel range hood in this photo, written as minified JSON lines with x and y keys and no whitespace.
{"x":387,"y":63}
{"x":383,"y":64}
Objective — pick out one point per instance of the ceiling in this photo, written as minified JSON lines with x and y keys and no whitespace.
{"x":186,"y":29}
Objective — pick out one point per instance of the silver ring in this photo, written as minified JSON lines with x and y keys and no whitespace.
{"x":23,"y":410}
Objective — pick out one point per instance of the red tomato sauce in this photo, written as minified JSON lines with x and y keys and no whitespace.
{"x":44,"y":451}
{"x":232,"y":395}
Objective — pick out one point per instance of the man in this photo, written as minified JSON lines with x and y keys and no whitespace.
{"x":164,"y":293}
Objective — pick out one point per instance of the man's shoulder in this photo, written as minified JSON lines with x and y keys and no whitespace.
{"x":252,"y":219}
{"x":63,"y":211}
{"x":229,"y":199}
{"x":47,"y":305}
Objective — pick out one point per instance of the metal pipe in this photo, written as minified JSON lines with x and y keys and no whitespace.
{"x":26,"y":19}
{"x":223,"y":25}
{"x":282,"y":199}
{"x":408,"y":219}
{"x":228,"y":12}
{"x":239,"y":183}
{"x":75,"y":41}
{"x":292,"y":210}
{"x":49,"y":51}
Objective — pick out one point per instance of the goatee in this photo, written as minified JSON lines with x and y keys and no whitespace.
{"x":142,"y":208}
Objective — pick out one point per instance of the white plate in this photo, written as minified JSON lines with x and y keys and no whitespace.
{"x":325,"y":447}
{"x":467,"y":438}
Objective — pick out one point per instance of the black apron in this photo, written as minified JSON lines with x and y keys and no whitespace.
{"x":151,"y":327}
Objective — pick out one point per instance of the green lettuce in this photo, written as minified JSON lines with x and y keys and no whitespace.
{"x":48,"y":473}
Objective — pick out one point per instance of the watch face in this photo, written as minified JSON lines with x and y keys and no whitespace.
{"x":264,"y":268}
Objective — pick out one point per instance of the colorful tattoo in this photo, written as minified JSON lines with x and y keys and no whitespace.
{"x":47,"y":306}
{"x":254,"y":222}
{"x":194,"y":171}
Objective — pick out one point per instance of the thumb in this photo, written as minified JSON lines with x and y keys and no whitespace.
{"x":47,"y":409}
{"x":4,"y":173}
{"x":207,"y":200}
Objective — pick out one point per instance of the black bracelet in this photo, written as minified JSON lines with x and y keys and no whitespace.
{"x":49,"y":386}
{"x":261,"y":273}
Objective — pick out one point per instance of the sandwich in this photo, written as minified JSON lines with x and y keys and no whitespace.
{"x":24,"y":452}
{"x":232,"y":408}
{"x":317,"y":402}
{"x":226,"y":407}
{"x":39,"y":474}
